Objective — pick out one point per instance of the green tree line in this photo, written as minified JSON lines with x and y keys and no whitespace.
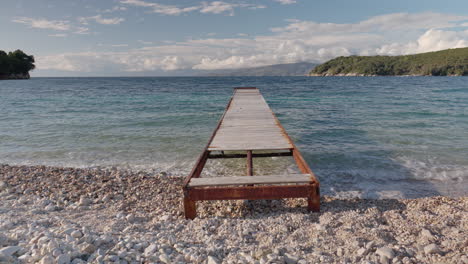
{"x":16,"y":62}
{"x":439,"y":63}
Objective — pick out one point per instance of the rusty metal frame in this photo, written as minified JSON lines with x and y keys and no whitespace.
{"x":311,"y":191}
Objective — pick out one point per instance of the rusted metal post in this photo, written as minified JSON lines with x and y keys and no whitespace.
{"x":190,"y":208}
{"x":249,"y":163}
{"x":313,"y":201}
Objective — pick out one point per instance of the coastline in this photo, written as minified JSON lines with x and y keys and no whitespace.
{"x":20,"y":76}
{"x":102,"y":215}
{"x":355,"y":74}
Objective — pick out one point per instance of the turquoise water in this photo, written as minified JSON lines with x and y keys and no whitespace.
{"x":363,"y":136}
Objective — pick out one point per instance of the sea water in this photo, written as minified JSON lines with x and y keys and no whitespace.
{"x":371,"y":137}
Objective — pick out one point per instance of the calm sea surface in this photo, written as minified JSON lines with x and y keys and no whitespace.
{"x":363,"y":136}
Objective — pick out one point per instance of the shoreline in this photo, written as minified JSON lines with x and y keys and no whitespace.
{"x":106,"y":214}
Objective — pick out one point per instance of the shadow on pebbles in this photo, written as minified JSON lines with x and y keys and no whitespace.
{"x":109,"y":215}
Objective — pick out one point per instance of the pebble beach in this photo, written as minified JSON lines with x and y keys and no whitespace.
{"x":110,"y":215}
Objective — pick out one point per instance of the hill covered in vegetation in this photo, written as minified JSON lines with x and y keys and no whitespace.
{"x":451,"y":62}
{"x":15,"y":65}
{"x":289,"y":69}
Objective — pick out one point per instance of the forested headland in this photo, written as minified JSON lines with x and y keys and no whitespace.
{"x":15,"y":65}
{"x":451,"y":62}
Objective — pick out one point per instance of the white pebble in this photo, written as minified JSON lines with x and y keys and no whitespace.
{"x":76,"y":234}
{"x":386,"y":252}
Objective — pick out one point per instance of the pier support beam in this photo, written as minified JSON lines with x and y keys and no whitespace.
{"x":190,"y":208}
{"x":313,"y":201}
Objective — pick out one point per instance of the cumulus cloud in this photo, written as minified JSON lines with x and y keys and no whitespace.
{"x":215,"y":7}
{"x":42,"y":23}
{"x":391,"y":34}
{"x":431,"y":40}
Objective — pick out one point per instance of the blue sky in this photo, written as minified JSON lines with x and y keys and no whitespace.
{"x":157,"y":37}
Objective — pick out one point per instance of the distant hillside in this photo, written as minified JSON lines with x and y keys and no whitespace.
{"x":291,"y":69}
{"x":451,"y":62}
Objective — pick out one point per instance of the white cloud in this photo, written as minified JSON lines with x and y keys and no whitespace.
{"x":389,"y":22}
{"x":145,"y":42}
{"x":82,"y":31}
{"x":57,"y":25}
{"x":391,"y":34}
{"x":160,"y":8}
{"x":217,"y":7}
{"x":57,"y":35}
{"x":431,"y":40}
{"x":286,"y":2}
{"x":119,"y":45}
{"x":101,"y":20}
{"x":42,"y":23}
{"x":214,"y":7}
{"x":115,"y":9}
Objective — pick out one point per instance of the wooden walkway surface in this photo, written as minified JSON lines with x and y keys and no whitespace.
{"x":248,"y":126}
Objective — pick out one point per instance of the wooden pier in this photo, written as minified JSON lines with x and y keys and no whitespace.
{"x":250,"y":129}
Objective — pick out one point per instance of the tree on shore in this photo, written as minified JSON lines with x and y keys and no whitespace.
{"x":16,"y":62}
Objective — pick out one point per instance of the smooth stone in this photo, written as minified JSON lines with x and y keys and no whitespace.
{"x":386,"y":251}
{"x":150,"y":249}
{"x":50,"y":208}
{"x":164,"y":258}
{"x":9,"y":251}
{"x":165,"y":218}
{"x":212,"y":260}
{"x":130,"y":218}
{"x":370,"y":244}
{"x":26,"y":258}
{"x":63,"y":259}
{"x":84,"y":201}
{"x":76,"y":234}
{"x":339,"y":252}
{"x":361,"y":252}
{"x":3,"y":186}
{"x":88,"y":248}
{"x":47,"y":260}
{"x":290,"y":259}
{"x":56,"y":252}
{"x":384,"y":260}
{"x":426,"y":233}
{"x":6,"y":259}
{"x":431,"y":249}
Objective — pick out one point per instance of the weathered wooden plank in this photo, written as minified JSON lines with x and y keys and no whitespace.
{"x":244,"y":180}
{"x":250,"y":192}
{"x":254,"y":155}
{"x":239,"y":148}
